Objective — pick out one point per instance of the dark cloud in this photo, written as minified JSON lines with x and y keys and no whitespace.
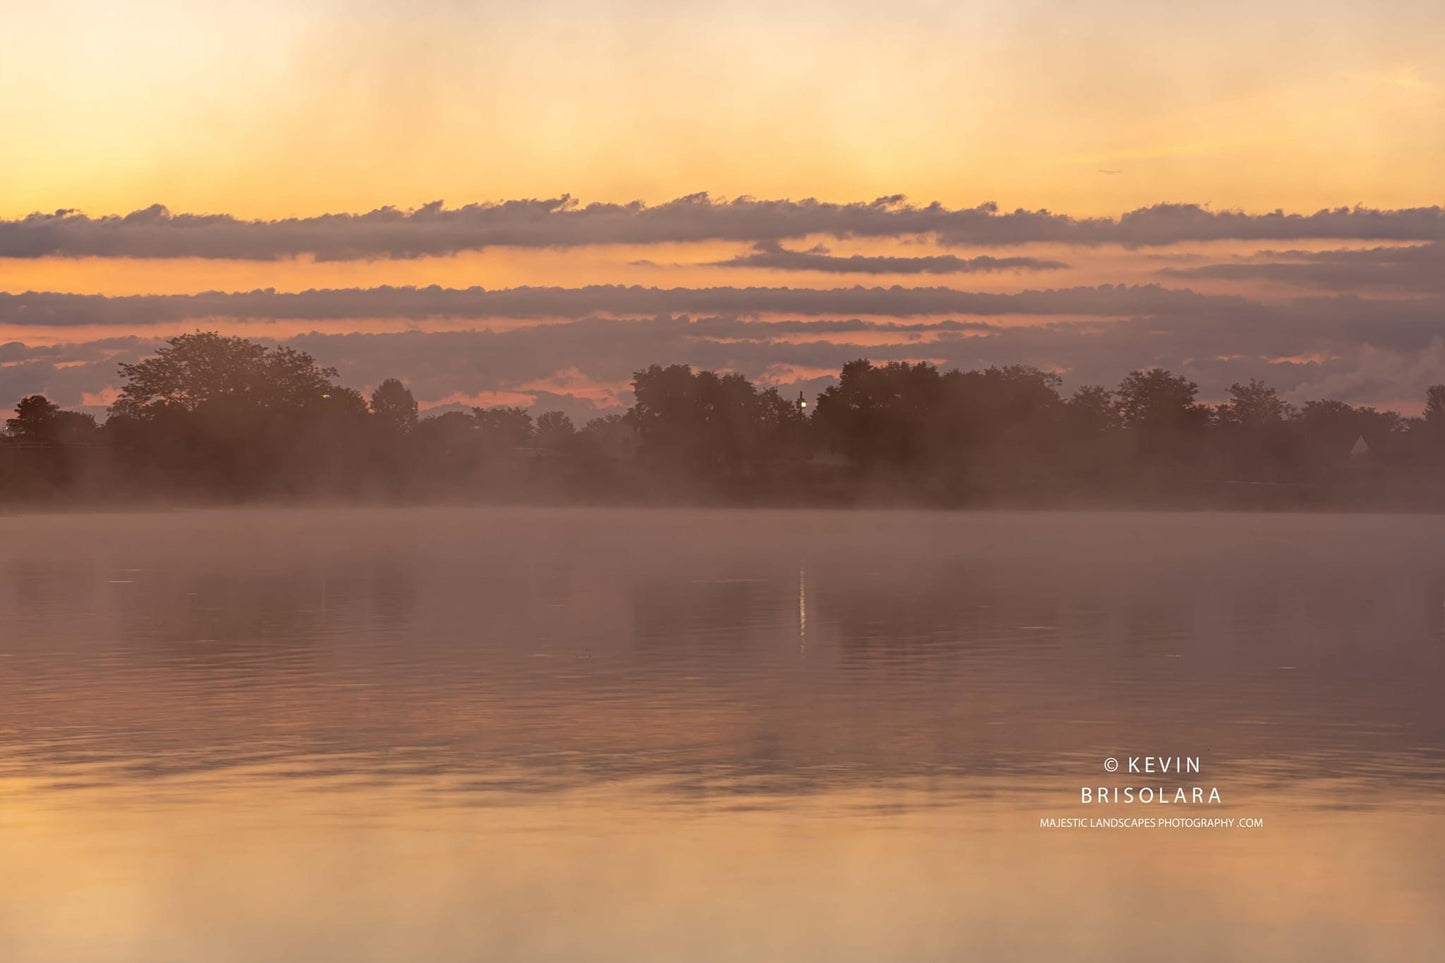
{"x":770,"y":254}
{"x":1419,"y":268}
{"x":1231,"y":324}
{"x":412,"y":303}
{"x":66,"y":372}
{"x":1305,"y":361}
{"x":155,"y":232}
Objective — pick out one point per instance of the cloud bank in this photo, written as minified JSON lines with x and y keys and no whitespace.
{"x":535,"y":303}
{"x":1417,"y":268}
{"x":434,"y":229}
{"x":773,"y":256}
{"x":1346,"y":302}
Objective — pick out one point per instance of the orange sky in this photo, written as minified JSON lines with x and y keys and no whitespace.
{"x":267,"y":109}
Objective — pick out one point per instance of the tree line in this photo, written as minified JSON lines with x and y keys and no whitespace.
{"x":211,"y":417}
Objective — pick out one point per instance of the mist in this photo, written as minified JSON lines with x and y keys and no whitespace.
{"x":216,"y":419}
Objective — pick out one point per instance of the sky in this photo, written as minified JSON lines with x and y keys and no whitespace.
{"x":522,"y":204}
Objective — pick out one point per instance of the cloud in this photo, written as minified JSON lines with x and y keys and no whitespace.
{"x":434,"y":229}
{"x":578,"y":357}
{"x":1230,"y":324}
{"x":1378,"y":376}
{"x":1418,"y":269}
{"x":76,"y":375}
{"x":418,"y":303}
{"x":769,"y":254}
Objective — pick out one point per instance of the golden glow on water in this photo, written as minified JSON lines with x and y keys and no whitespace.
{"x":613,"y":874}
{"x":451,"y":734}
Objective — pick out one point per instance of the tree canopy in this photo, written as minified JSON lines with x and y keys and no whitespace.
{"x":216,"y":416}
{"x":193,"y":371}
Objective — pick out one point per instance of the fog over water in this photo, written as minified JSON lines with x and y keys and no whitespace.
{"x":527,"y":734}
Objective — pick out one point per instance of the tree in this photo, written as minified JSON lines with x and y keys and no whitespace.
{"x":194,"y":371}
{"x":611,"y":436}
{"x":1092,"y":410}
{"x":709,"y":424}
{"x":1254,"y":406}
{"x":224,"y":413}
{"x":554,"y":430}
{"x":783,"y":426}
{"x":447,"y":445}
{"x":1328,"y":430}
{"x":1159,"y":400}
{"x":1435,"y":407}
{"x":40,"y":420}
{"x":1255,"y":439}
{"x":394,"y":407}
{"x":1164,"y":424}
{"x":1014,"y":401}
{"x":503,"y":427}
{"x":880,"y":415}
{"x":219,"y":416}
{"x":33,"y":418}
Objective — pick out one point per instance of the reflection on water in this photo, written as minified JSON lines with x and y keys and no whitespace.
{"x":481,"y":734}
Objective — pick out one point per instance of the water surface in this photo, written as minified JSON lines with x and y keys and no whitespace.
{"x":477,"y":734}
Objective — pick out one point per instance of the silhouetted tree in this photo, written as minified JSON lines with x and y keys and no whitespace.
{"x":1157,"y":407}
{"x":1328,"y":430}
{"x":1093,"y":410}
{"x":704,"y":423}
{"x":955,"y":432}
{"x":1433,"y":422}
{"x":228,"y":413}
{"x":223,"y":416}
{"x":1435,"y":404}
{"x":611,"y":436}
{"x":878,"y":415}
{"x":1092,"y":450}
{"x":33,"y":417}
{"x":1159,"y":400}
{"x":394,"y":407}
{"x":43,"y":440}
{"x":41,"y":421}
{"x":1011,"y":402}
{"x":1255,"y":437}
{"x":503,"y":427}
{"x":554,"y":430}
{"x":1254,"y":406}
{"x":448,"y":447}
{"x":205,"y":368}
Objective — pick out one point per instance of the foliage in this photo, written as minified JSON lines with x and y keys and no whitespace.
{"x":194,"y":371}
{"x":212,"y":416}
{"x":394,"y":407}
{"x":38,"y":420}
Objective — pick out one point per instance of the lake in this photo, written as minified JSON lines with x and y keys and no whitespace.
{"x":453,"y":734}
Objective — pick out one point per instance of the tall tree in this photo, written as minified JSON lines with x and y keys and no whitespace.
{"x":206,"y":368}
{"x":1159,"y":400}
{"x":1254,"y":406}
{"x":394,"y":407}
{"x":503,"y":426}
{"x":554,"y":430}
{"x":1092,"y":410}
{"x":1435,"y":407}
{"x":34,"y":416}
{"x":705,"y":422}
{"x":881,"y":415}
